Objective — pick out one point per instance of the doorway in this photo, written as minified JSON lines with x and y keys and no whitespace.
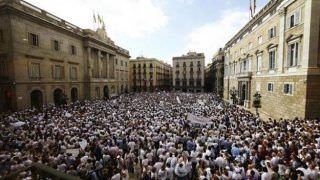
{"x":58,"y":97}
{"x":36,"y":99}
{"x":74,"y":94}
{"x":106,"y":92}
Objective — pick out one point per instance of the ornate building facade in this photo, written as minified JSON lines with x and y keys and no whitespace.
{"x":44,"y":59}
{"x":149,"y":74}
{"x":277,"y":55}
{"x":188,"y":72}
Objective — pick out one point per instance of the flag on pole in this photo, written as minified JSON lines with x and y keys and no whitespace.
{"x":94,"y":18}
{"x":253,"y":7}
{"x":99,"y":19}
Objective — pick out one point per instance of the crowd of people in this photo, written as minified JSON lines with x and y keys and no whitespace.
{"x":149,"y":136}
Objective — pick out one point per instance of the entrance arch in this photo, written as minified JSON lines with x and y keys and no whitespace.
{"x":36,"y":99}
{"x":74,"y":94}
{"x":58,"y":97}
{"x":106,"y":92}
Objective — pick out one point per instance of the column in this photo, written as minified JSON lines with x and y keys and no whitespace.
{"x":88,"y":74}
{"x":309,"y":49}
{"x":282,"y":28}
{"x":100,"y":64}
{"x":108,"y":67}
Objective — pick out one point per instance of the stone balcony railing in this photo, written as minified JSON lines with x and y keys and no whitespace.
{"x":42,"y":14}
{"x":247,"y":74}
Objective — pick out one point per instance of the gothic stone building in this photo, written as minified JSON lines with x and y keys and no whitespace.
{"x":277,"y":54}
{"x":44,"y":59}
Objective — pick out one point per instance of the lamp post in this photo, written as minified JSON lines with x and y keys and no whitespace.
{"x":233,"y":92}
{"x":257,"y":102}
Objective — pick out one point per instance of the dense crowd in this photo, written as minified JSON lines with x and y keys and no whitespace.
{"x":147,"y":136}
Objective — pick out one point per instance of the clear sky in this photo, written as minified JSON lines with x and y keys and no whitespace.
{"x":159,"y":28}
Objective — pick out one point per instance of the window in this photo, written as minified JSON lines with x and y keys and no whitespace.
{"x":288,"y":89}
{"x":117,"y":61}
{"x":126,"y":64}
{"x":184,"y":64}
{"x":260,"y":40}
{"x":270,"y":87}
{"x":293,"y":54}
{"x":58,"y":72}
{"x":272,"y":59}
{"x":1,"y":35}
{"x":121,"y":62}
{"x":35,"y":71}
{"x":56,"y":45}
{"x":73,"y":50}
{"x":73,"y":73}
{"x":33,"y":39}
{"x":259,"y":60}
{"x":243,"y":66}
{"x":177,"y":65}
{"x":272,"y":32}
{"x":293,"y":19}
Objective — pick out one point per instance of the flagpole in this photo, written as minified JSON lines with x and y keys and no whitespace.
{"x":94,"y":20}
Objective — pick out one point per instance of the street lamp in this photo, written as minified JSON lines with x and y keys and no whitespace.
{"x":233,"y":93}
{"x":257,"y":102}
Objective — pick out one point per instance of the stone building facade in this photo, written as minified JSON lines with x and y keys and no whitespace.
{"x":218,"y":72}
{"x":188,"y":72}
{"x":208,"y":78}
{"x":277,"y":54}
{"x":46,"y":60}
{"x":149,"y":74}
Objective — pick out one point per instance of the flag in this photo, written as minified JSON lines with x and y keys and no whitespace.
{"x":99,"y":19}
{"x":253,"y":7}
{"x":94,"y":18}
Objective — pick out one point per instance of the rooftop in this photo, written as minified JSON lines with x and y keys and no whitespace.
{"x":43,"y":15}
{"x":191,"y":55}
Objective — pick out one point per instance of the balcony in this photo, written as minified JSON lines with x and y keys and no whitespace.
{"x":245,"y":74}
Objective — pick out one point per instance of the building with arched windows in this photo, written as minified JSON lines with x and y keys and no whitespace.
{"x":47,"y":60}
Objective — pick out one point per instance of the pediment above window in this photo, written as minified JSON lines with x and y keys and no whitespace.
{"x":271,"y":46}
{"x":259,"y":52}
{"x":294,"y":37}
